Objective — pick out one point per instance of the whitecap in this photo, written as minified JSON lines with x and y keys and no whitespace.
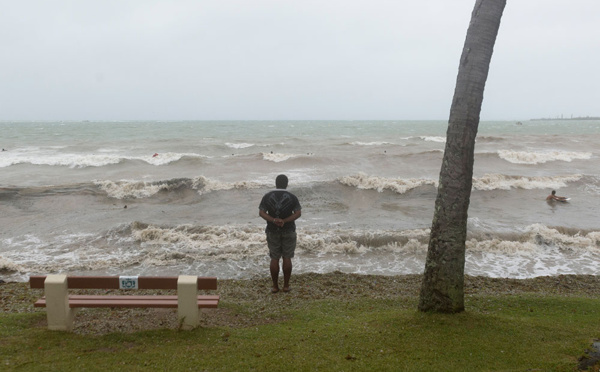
{"x":533,"y":157}
{"x":398,"y":185}
{"x":376,"y":143}
{"x":130,"y":189}
{"x":504,"y":182}
{"x":433,"y":139}
{"x":206,"y":185}
{"x":277,"y":157}
{"x":238,"y":145}
{"x":90,"y":160}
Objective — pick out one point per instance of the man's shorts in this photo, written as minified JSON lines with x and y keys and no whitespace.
{"x":281,"y":244}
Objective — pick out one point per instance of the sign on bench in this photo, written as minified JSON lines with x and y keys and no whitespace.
{"x":128,"y":282}
{"x":61,"y":307}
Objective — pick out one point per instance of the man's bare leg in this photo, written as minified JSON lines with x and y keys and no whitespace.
{"x":287,"y":273}
{"x":275,"y":274}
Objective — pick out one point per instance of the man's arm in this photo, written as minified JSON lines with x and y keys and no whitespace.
{"x":293,"y":217}
{"x":265,"y":216}
{"x":557,"y":198}
{"x":277,"y":221}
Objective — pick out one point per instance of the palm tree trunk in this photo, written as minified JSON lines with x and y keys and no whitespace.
{"x":443,"y":282}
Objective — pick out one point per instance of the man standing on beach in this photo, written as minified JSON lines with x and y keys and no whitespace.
{"x":280,"y":208}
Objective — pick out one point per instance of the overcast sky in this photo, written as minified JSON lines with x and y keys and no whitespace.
{"x":289,"y":59}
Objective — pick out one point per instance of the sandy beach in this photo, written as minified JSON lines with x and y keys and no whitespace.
{"x":261,"y":307}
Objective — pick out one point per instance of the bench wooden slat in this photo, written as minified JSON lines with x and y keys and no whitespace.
{"x":159,"y":297}
{"x":143,"y":297}
{"x":112,"y":282}
{"x":128,"y":302}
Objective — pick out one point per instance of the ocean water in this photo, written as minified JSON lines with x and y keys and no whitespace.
{"x":168,"y":198}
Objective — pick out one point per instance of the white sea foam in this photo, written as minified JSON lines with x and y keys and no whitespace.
{"x":593,"y":188}
{"x":539,"y":251}
{"x":211,"y":242}
{"x":485,"y":183}
{"x":398,"y":185}
{"x":63,"y":253}
{"x":143,"y":189}
{"x":208,"y":185}
{"x":532,"y":157}
{"x":549,"y":236}
{"x":537,"y":239}
{"x":89,"y":160}
{"x":223,"y":242}
{"x":130,"y":189}
{"x":66,"y":160}
{"x":351,"y":242}
{"x":278,"y":157}
{"x":504,"y":182}
{"x":433,"y":139}
{"x":109,"y":150}
{"x":167,"y":158}
{"x":8,"y":266}
{"x":238,"y":145}
{"x":241,"y":250}
{"x":376,"y":143}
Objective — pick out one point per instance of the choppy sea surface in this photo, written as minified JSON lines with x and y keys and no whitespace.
{"x":168,"y":198}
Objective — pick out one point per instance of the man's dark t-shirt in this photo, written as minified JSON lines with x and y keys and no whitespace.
{"x":280,"y":204}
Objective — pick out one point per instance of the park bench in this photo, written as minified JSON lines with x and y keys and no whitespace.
{"x":61,"y":307}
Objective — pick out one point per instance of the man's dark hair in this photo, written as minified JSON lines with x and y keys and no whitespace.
{"x":281,"y":181}
{"x":553,"y":192}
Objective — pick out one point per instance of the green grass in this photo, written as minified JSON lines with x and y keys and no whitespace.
{"x":505,"y":333}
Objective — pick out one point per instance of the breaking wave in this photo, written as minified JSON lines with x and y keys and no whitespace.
{"x":238,"y":145}
{"x":532,"y":251}
{"x":377,"y":143}
{"x":527,"y":157}
{"x":398,"y":185}
{"x":503,"y":182}
{"x":487,"y":182}
{"x":91,"y":160}
{"x":278,"y":157}
{"x":433,"y":139}
{"x":143,"y":189}
{"x":209,"y":185}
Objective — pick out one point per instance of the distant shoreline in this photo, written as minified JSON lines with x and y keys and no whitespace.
{"x":577,"y":118}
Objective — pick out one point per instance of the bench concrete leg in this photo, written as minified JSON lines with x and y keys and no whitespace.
{"x":60,"y":316}
{"x":187,"y":301}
